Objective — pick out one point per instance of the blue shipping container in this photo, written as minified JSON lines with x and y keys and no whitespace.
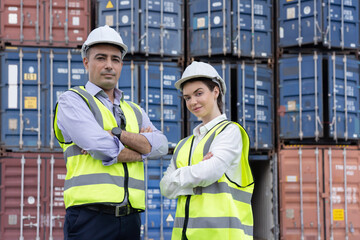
{"x":301,"y":99}
{"x":343,"y":82}
{"x":31,"y":81}
{"x":255,"y":103}
{"x":251,"y":28}
{"x":160,"y":99}
{"x":158,"y":218}
{"x":332,"y":23}
{"x":310,"y":84}
{"x":209,"y":27}
{"x":158,"y":30}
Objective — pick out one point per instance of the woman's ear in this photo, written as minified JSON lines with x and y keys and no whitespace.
{"x":216,"y":91}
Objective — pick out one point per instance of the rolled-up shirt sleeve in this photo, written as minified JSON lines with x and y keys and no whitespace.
{"x":157,"y":140}
{"x":78,"y":125}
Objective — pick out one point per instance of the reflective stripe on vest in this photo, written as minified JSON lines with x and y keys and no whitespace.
{"x":221,"y":210}
{"x":87,"y":179}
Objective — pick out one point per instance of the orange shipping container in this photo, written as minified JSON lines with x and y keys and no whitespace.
{"x":317,"y":200}
{"x":32,"y":205}
{"x":44,"y":23}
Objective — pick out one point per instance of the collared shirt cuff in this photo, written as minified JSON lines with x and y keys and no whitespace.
{"x":115,"y":158}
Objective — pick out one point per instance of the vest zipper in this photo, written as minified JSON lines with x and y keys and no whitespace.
{"x":126,"y":183}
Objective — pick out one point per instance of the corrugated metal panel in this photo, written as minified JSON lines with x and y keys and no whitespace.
{"x":209,"y":27}
{"x":252,"y":28}
{"x":317,"y":199}
{"x":158,"y":219}
{"x":301,"y":100}
{"x":49,"y":23}
{"x":323,"y":79}
{"x":160,"y":99}
{"x":344,"y":96}
{"x":330,"y":23}
{"x":255,"y":103}
{"x":123,"y":17}
{"x":129,"y":81}
{"x":32,"y":80}
{"x":161,"y":27}
{"x":31,"y":196}
{"x":150,"y":27}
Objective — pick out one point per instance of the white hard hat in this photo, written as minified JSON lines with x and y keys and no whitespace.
{"x":104,"y":34}
{"x":201,"y":70}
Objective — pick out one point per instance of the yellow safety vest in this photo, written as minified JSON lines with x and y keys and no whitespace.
{"x":87,"y":179}
{"x":221,"y":210}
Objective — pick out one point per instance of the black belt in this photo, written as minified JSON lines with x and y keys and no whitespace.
{"x":118,"y":211}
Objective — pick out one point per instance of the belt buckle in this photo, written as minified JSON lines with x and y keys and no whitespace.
{"x":121,"y":211}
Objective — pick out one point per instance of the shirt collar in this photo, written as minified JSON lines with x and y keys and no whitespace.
{"x":202,"y":129}
{"x":96,"y":90}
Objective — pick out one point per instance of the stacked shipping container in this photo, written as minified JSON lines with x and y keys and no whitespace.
{"x":314,"y":81}
{"x":318,"y":116}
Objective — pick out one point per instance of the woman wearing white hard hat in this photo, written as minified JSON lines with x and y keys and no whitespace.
{"x":209,"y":173}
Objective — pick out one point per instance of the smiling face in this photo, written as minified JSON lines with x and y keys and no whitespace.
{"x":201,"y":101}
{"x":104,"y":64}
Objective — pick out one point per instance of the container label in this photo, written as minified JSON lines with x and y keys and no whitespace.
{"x":109,"y":5}
{"x":30,"y":102}
{"x":109,"y":20}
{"x":170,"y":218}
{"x":290,"y":13}
{"x":13,"y":18}
{"x":291,"y":178}
{"x":30,"y":76}
{"x":13,"y":86}
{"x":338,"y":214}
{"x":201,"y":22}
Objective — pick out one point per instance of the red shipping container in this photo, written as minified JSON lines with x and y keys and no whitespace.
{"x":32,"y":204}
{"x":313,"y":201}
{"x":45,"y":23}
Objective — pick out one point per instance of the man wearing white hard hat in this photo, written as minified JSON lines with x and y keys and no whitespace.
{"x":105,"y":140}
{"x":209,"y":172}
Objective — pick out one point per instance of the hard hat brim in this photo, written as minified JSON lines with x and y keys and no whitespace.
{"x":183,"y":80}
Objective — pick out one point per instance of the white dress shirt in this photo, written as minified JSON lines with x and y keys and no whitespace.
{"x":226,"y":149}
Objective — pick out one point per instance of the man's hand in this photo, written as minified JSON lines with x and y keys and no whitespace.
{"x":208,"y":156}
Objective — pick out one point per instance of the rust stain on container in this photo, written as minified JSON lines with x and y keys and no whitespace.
{"x":32,"y":196}
{"x":312,"y":195}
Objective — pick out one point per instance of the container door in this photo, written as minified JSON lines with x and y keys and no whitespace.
{"x":301,"y":188}
{"x":342,"y":24}
{"x":252,"y":28}
{"x":129,"y":81}
{"x":301,"y":96}
{"x":67,"y":22}
{"x":209,"y":27}
{"x":255,"y":103}
{"x":22,"y":196}
{"x":344,"y":97}
{"x":300,"y":23}
{"x":122,"y":15}
{"x":22,"y":22}
{"x":342,"y":182}
{"x":23,"y":99}
{"x":161,"y":27}
{"x":160,"y":99}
